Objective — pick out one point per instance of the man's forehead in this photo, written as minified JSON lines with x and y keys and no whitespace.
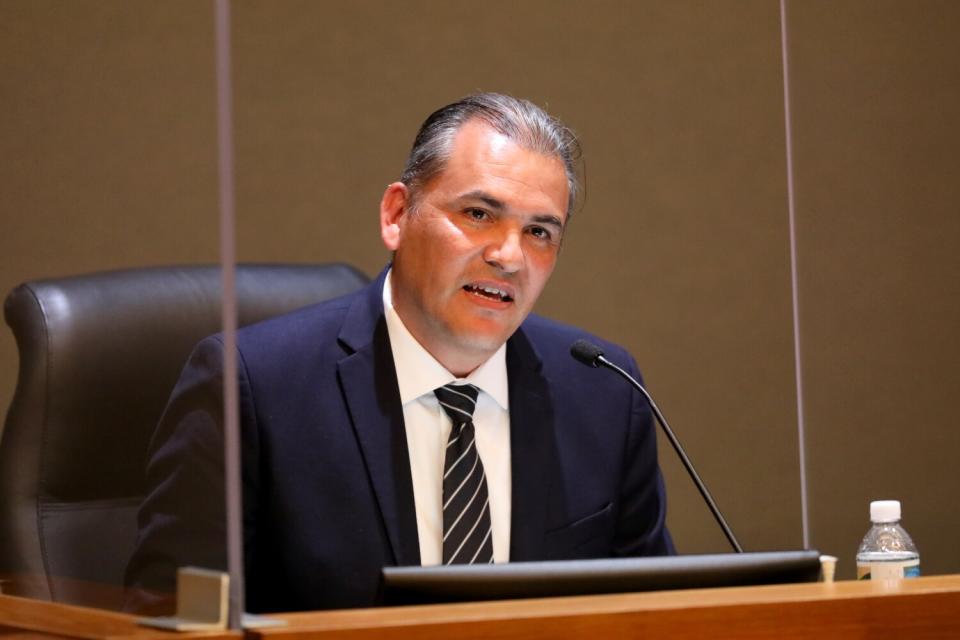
{"x":477,"y":135}
{"x":479,"y":146}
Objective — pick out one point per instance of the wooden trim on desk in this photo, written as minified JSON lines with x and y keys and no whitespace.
{"x":66,"y":621}
{"x":918,"y":609}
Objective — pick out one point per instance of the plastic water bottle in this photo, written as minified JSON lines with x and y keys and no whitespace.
{"x":887,"y":552}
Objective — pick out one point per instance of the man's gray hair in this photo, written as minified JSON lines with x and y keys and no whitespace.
{"x":523,"y":122}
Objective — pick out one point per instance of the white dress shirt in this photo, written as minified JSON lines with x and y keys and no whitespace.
{"x":428,"y":429}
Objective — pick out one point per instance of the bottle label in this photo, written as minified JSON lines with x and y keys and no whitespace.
{"x":888,"y":570}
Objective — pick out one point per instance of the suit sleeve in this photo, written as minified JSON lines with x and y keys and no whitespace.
{"x":181,"y":521}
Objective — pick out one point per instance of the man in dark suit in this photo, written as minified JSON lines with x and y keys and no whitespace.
{"x":427,"y":418}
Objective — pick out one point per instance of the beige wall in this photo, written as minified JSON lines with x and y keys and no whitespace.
{"x":681,"y":251}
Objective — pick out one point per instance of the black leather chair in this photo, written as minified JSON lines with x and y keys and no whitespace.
{"x":99,"y":355}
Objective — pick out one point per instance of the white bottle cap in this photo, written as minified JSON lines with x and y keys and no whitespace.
{"x":884,"y":510}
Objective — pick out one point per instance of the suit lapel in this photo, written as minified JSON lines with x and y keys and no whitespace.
{"x":532,"y":448}
{"x":369,"y":385}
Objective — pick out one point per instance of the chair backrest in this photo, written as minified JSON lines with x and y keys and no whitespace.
{"x":99,"y":356}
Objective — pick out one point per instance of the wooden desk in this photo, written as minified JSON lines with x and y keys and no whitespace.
{"x":916,"y":609}
{"x":26,"y":618}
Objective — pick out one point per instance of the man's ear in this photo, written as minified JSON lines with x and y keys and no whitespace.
{"x":394,"y":206}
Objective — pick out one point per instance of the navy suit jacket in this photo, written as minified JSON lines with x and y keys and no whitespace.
{"x":327,"y":491}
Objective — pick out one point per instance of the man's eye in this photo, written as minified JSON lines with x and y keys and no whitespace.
{"x":477,"y":214}
{"x":540,"y":233}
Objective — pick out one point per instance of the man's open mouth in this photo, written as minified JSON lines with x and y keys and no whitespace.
{"x":489,"y":292}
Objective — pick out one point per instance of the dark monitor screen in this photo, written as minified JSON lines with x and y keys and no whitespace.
{"x":464,"y":583}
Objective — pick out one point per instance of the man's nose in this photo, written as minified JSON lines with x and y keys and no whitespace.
{"x":505,"y":252}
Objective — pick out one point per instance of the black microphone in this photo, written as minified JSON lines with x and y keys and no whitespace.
{"x":592,"y":356}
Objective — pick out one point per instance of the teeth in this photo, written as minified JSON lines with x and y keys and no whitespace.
{"x":493,"y":291}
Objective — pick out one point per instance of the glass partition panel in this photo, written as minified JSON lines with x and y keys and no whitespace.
{"x":679,"y":251}
{"x":109,"y":178}
{"x":879,"y":234}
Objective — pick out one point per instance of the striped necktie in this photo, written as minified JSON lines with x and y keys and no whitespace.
{"x":466,"y":506}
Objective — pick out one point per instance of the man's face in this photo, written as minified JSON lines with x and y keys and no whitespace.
{"x":472,"y":260}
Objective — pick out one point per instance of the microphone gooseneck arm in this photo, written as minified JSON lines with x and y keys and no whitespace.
{"x":592,"y":356}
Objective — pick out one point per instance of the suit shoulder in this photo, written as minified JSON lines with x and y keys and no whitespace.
{"x":552,"y":340}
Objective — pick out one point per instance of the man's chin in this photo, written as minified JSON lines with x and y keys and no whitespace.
{"x":483,"y":341}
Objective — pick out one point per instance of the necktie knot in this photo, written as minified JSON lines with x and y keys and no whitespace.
{"x":458,"y":401}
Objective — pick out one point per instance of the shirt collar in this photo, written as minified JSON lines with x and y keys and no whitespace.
{"x":419,"y":373}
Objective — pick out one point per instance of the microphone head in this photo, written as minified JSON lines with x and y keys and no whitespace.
{"x":586,"y":352}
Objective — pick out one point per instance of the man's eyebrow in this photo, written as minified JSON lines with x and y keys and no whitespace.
{"x":549,"y":219}
{"x":484,"y":197}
